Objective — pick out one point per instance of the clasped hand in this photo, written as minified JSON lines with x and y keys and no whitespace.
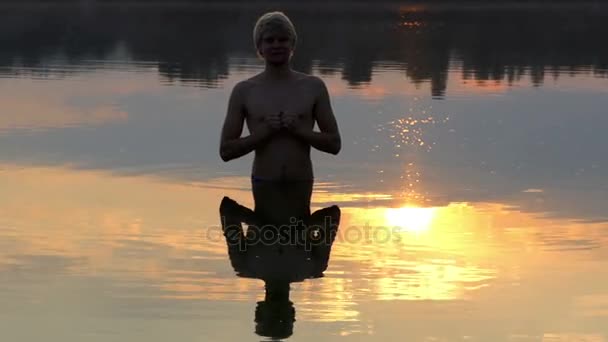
{"x":284,"y":121}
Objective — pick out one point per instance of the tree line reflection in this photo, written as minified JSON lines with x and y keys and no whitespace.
{"x":199,"y":45}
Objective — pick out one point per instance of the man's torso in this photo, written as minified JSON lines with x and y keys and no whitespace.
{"x":283,"y":157}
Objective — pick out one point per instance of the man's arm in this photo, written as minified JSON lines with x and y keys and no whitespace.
{"x":232,"y":146}
{"x":328,"y":139}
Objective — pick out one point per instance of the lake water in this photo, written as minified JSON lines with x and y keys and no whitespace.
{"x":472,"y":181}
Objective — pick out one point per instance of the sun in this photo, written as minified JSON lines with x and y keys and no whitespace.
{"x":410,"y":218}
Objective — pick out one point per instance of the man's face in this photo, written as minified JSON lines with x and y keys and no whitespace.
{"x":276,"y":47}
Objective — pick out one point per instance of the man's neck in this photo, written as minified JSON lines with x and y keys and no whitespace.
{"x":278,"y":72}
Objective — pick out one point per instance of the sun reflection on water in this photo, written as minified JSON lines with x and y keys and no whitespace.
{"x":410,"y":218}
{"x":149,"y":237}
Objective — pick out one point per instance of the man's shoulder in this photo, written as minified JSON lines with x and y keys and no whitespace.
{"x":312,"y":79}
{"x":245,"y":84}
{"x":314,"y":83}
{"x":242,"y":87}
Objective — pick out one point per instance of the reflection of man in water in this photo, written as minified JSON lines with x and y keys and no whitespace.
{"x":281,"y":107}
{"x":277,"y":264}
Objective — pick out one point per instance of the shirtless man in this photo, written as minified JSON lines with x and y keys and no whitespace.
{"x":280,"y":107}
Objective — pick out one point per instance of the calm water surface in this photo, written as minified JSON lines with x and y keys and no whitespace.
{"x":472,"y":180}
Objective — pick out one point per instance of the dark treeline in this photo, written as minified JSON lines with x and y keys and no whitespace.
{"x":195,"y":44}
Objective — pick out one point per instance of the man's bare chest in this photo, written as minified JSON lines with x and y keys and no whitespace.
{"x":263,"y":101}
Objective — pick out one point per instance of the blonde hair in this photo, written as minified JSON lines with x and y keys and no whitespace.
{"x":273,"y":21}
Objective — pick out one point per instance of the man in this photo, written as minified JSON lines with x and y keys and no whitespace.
{"x":280,"y":107}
